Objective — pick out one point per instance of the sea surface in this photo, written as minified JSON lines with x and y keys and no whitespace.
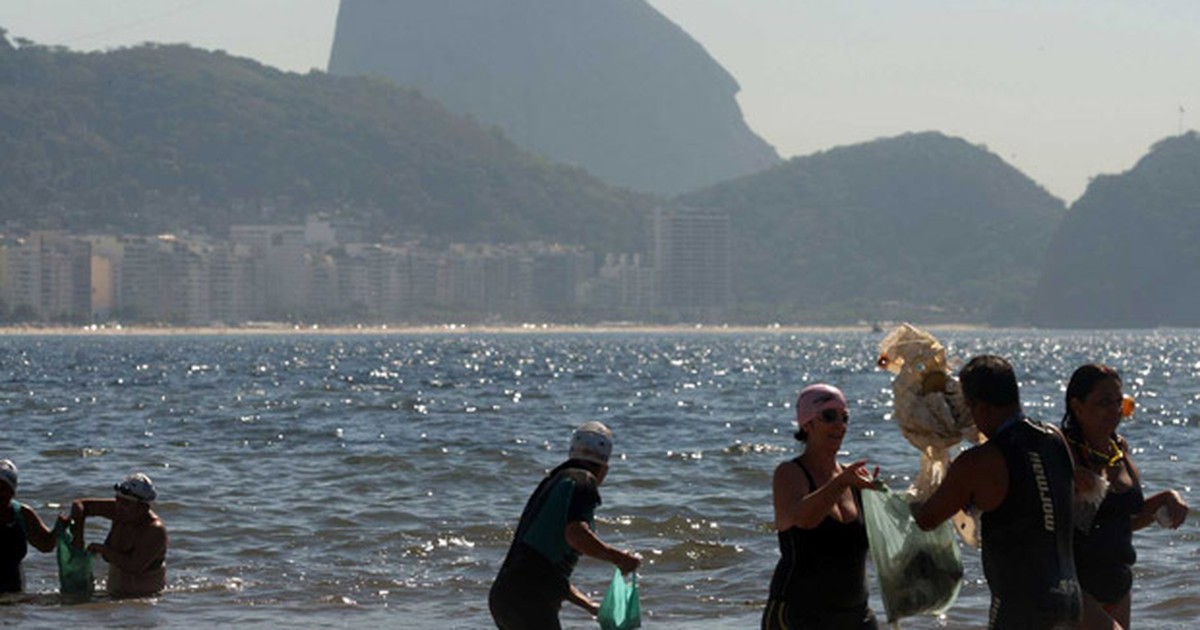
{"x":315,"y":481}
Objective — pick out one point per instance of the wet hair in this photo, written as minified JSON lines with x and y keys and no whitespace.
{"x":1083,"y":381}
{"x":989,"y":379}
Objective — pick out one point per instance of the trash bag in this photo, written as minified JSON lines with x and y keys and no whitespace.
{"x":930,"y":410}
{"x":919,"y":572}
{"x":74,"y":565}
{"x":621,"y":609}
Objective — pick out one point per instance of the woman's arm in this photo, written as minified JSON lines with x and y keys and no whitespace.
{"x":38,"y":534}
{"x":1176,"y":507}
{"x":575,"y":596}
{"x":584,"y":540}
{"x":83,"y":508}
{"x":796,"y":506}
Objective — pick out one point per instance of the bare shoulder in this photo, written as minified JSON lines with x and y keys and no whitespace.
{"x":788,"y":475}
{"x":984,"y":474}
{"x":986,"y":456}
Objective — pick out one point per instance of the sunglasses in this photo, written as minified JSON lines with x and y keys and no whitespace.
{"x":832,"y":416}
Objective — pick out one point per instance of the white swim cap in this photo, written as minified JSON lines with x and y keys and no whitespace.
{"x":592,"y":442}
{"x":8,"y":473}
{"x":137,"y":487}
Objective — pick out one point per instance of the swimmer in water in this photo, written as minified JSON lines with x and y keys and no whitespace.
{"x":20,"y":527}
{"x":136,"y":545}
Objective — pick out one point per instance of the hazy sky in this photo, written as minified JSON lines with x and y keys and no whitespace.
{"x":1061,"y":89}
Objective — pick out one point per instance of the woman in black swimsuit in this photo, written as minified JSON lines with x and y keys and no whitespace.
{"x":1109,"y":501}
{"x":820,"y":581}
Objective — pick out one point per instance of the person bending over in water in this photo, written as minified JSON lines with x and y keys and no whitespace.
{"x":1109,"y":502}
{"x":555,"y":528}
{"x":1022,"y":480}
{"x":821,"y":578}
{"x":20,"y":527}
{"x":136,"y":546}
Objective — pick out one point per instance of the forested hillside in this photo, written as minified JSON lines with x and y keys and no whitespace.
{"x":160,"y":138}
{"x":1128,"y":252}
{"x":920,"y":226}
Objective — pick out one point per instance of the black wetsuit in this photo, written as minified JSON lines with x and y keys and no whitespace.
{"x":1104,"y":555}
{"x":13,"y":547}
{"x":535,"y":577}
{"x":821,"y":578}
{"x":1027,"y":553}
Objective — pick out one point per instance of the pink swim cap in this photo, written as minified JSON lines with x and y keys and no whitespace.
{"x":817,"y":398}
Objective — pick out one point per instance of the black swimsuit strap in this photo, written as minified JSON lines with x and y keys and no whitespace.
{"x":812,"y":485}
{"x":855,"y":493}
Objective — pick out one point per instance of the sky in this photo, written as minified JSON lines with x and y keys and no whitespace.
{"x":1063,"y":90}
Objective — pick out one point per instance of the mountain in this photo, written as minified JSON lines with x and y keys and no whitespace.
{"x":162,"y":138}
{"x":920,"y":226}
{"x":1126,"y":254}
{"x":613,"y":87}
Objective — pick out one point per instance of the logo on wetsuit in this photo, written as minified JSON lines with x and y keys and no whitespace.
{"x":1043,"y":486}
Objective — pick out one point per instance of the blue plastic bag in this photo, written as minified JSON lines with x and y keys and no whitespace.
{"x":621,"y":609}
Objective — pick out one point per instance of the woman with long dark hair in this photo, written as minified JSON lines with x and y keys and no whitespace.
{"x":1110,"y":505}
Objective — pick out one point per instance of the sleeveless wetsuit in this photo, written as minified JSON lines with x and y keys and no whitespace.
{"x":535,"y":577}
{"x":821,"y":578}
{"x":13,"y":547}
{"x":1027,"y":554}
{"x":1104,"y":555}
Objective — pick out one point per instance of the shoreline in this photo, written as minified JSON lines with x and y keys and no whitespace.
{"x":452,"y":329}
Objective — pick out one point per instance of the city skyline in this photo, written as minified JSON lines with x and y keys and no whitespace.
{"x":1062,"y":90}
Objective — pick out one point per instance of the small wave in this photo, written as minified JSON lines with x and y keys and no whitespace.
{"x":75,"y":452}
{"x":740,"y":448}
{"x":697,"y":555}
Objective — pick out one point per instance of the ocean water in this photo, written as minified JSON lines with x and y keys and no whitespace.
{"x":374,"y":481}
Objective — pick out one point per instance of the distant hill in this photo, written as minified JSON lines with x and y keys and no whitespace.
{"x":1127,"y":254}
{"x":920,"y":226}
{"x":612,"y":86}
{"x":160,"y":138}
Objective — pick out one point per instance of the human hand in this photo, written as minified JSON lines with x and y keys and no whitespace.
{"x":856,"y":475}
{"x":628,"y":561}
{"x":97,"y":548}
{"x":1173,"y":511}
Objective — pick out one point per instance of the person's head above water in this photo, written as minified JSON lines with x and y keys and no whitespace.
{"x":8,"y":474}
{"x":137,"y":487}
{"x":990,"y":380}
{"x":592,"y":442}
{"x":815,"y":402}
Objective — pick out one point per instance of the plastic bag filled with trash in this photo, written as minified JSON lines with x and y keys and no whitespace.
{"x":929,"y":409}
{"x":919,"y":572}
{"x":74,"y":564}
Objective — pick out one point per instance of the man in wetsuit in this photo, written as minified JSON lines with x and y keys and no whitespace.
{"x":136,"y":546}
{"x":555,"y":528}
{"x":1022,"y":481}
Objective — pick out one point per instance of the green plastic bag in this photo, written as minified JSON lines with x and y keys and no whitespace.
{"x":74,"y":565}
{"x":621,"y":609}
{"x":919,"y":572}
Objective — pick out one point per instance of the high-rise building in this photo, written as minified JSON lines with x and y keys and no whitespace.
{"x":693,"y":262}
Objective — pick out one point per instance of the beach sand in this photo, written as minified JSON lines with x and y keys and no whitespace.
{"x":268,"y":328}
